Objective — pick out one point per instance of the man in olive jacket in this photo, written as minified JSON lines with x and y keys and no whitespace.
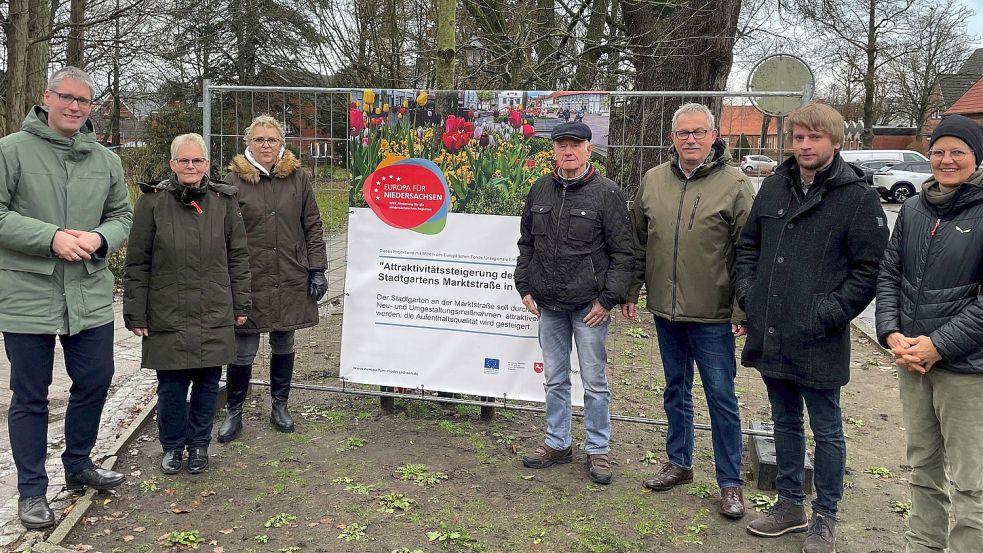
{"x":687,"y":216}
{"x":63,"y":209}
{"x":807,"y":264}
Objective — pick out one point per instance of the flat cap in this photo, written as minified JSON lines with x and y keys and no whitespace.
{"x":573,"y":129}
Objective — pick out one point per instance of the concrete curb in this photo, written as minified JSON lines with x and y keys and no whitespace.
{"x":83,"y":503}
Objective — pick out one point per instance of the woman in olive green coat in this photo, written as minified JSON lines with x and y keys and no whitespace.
{"x":185,"y":286}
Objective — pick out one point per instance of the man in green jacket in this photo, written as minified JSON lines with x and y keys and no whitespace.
{"x":63,"y":209}
{"x":688,"y":215}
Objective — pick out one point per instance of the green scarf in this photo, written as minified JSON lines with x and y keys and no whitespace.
{"x":936,"y":194}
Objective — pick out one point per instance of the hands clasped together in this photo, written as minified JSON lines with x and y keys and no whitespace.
{"x":75,"y":245}
{"x":918,"y":354}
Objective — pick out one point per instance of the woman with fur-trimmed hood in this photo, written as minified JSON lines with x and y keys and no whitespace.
{"x":287,"y":259}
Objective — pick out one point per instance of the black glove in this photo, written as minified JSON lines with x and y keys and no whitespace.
{"x":318,"y":285}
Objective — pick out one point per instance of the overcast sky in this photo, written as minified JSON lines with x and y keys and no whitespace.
{"x":976,"y":23}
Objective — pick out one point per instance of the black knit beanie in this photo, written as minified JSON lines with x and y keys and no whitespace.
{"x":964,"y":129}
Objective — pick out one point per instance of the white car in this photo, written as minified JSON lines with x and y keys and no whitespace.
{"x":901,"y":180}
{"x":758,"y":164}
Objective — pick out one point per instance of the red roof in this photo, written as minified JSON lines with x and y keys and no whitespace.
{"x":971,"y":101}
{"x":735,"y":120}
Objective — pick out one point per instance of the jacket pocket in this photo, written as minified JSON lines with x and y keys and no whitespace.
{"x":816,"y":328}
{"x":25,"y":295}
{"x":217,"y":310}
{"x":692,"y":215}
{"x":97,"y":285}
{"x":583,"y":224}
{"x":164,"y":302}
{"x":541,"y":218}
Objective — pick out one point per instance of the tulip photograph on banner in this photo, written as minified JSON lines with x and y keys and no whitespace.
{"x":486,"y":148}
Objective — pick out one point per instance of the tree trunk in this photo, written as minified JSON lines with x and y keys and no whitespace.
{"x":546,"y":45}
{"x":38,"y":54}
{"x":246,"y":31}
{"x":584,"y":78}
{"x":446,"y":43}
{"x":76,"y":34}
{"x":686,"y":47}
{"x":16,"y":74}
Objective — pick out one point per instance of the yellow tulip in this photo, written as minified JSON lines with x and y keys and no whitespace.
{"x":368,"y":95}
{"x":385,"y":108}
{"x":378,"y":111}
{"x":519,"y":107}
{"x":421,"y":99}
{"x":406,"y":103}
{"x":367,"y":107}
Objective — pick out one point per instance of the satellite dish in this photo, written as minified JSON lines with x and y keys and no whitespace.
{"x":780,"y":72}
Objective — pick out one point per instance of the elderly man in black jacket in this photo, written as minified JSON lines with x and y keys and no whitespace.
{"x":807,"y":264}
{"x":575,"y":260}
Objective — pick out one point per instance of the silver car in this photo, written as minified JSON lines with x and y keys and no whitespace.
{"x":758,"y":164}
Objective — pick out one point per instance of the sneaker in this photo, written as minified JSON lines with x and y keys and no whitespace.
{"x":546,"y":456}
{"x":781,"y":519}
{"x":600,"y":468}
{"x":668,"y":477}
{"x":820,"y":538}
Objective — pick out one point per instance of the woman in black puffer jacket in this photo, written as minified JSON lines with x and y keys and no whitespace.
{"x":930,"y":314}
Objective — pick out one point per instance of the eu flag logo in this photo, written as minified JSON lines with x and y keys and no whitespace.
{"x":491,"y":363}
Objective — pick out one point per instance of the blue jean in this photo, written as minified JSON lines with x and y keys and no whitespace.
{"x":180,"y":423}
{"x":89,"y":363}
{"x":711,"y":346}
{"x":556,"y":328}
{"x":786,"y":399}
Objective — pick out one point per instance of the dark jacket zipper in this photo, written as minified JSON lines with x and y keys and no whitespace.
{"x":675,"y":248}
{"x":692,"y":216}
{"x":921,"y":281}
{"x":556,"y":238}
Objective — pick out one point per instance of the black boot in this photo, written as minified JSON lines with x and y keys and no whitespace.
{"x":281,"y":371}
{"x":237,"y":388}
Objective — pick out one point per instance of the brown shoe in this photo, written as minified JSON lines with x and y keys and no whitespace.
{"x":731,"y":502}
{"x":546,"y":456}
{"x":668,"y":477}
{"x":600,"y":468}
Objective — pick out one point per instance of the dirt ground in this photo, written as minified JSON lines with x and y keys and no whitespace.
{"x":435,"y":478}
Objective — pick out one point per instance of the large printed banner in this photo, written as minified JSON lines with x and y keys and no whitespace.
{"x":437,"y":184}
{"x":439,"y":311}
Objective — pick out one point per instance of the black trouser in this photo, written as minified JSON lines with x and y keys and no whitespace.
{"x":89,"y":363}
{"x":182,"y":424}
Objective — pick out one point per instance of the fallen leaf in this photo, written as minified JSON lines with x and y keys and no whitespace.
{"x":530,"y":477}
{"x":170,"y":491}
{"x":207,"y":493}
{"x":226,"y":531}
{"x":129,"y":538}
{"x":218,"y":549}
{"x":177,"y":509}
{"x":138,"y":528}
{"x":90,"y":520}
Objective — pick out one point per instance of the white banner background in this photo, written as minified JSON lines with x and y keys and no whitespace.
{"x":398,"y":329}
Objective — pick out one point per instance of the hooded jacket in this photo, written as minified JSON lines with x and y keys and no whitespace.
{"x":574,"y":244}
{"x":285,"y":239}
{"x":685,"y":231}
{"x":49,"y":182}
{"x":931,"y":275}
{"x":187,"y":274}
{"x":806,"y":266}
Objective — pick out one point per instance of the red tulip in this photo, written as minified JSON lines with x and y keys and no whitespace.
{"x":449,"y":123}
{"x":530,"y":164}
{"x":454,"y":141}
{"x":356,"y":124}
{"x":468,"y":127}
{"x":402,"y":110}
{"x":515,"y":118}
{"x":470,"y":114}
{"x":528,"y":131}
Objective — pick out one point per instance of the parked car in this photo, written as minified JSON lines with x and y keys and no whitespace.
{"x":901,"y":180}
{"x":871,"y":167}
{"x":860,"y":156}
{"x":758,"y":164}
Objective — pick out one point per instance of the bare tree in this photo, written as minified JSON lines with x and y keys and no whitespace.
{"x":939,"y":46}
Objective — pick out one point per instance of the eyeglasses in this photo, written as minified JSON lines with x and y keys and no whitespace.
{"x":955,"y":155}
{"x":698,"y":134}
{"x":265,"y":141}
{"x":197,"y":162}
{"x":67,"y":99}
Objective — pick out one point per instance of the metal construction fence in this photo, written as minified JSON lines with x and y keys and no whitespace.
{"x":316,"y":124}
